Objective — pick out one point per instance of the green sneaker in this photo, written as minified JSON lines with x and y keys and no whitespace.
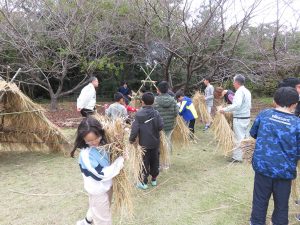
{"x":142,"y":186}
{"x":154,"y":183}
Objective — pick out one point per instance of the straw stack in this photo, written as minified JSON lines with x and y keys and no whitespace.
{"x":201,"y":109}
{"x":181,"y":134}
{"x":23,"y":125}
{"x":223,"y":134}
{"x":164,"y":156}
{"x":248,"y":146}
{"x":122,"y":187}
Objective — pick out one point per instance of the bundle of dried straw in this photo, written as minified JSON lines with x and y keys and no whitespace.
{"x":23,"y":125}
{"x":181,"y":134}
{"x":201,"y":109}
{"x":248,"y":146}
{"x":164,"y":156}
{"x":223,"y":133}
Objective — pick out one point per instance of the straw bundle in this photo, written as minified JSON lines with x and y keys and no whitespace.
{"x":229,"y":118}
{"x":164,"y":151}
{"x":223,"y":133}
{"x":201,"y":109}
{"x":181,"y":134}
{"x":23,"y":125}
{"x":247,"y":146}
{"x":122,"y":187}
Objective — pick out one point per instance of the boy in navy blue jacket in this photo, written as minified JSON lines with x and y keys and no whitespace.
{"x":277,"y":150}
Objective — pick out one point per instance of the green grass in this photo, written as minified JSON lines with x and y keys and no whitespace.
{"x":265,"y":100}
{"x":200,"y":188}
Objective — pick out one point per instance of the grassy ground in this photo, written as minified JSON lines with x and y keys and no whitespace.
{"x":200,"y":188}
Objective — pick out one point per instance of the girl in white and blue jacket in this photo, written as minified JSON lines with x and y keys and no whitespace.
{"x":97,"y":171}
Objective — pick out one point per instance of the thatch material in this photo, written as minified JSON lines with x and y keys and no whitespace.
{"x":181,"y":134}
{"x":23,"y":125}
{"x":229,"y":118}
{"x":164,"y":156}
{"x":223,"y":134}
{"x":201,"y":109}
{"x":122,"y":187}
{"x":248,"y":146}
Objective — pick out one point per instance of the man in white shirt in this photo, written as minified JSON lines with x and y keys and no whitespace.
{"x":87,"y":99}
{"x":240,"y":107}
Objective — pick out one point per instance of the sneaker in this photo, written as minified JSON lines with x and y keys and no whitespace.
{"x":206,"y":128}
{"x":142,"y":186}
{"x":83,"y":222}
{"x":298,"y":217}
{"x":297,"y":202}
{"x":154,"y":183}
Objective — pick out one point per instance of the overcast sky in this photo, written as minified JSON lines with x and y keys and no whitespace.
{"x":265,"y":12}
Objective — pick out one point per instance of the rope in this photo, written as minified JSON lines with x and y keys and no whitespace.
{"x":12,"y":113}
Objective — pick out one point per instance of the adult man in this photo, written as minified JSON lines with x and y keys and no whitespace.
{"x":209,"y":98}
{"x":87,"y":99}
{"x":167,"y":108}
{"x":124,"y":89}
{"x":294,"y":83}
{"x":240,"y":107}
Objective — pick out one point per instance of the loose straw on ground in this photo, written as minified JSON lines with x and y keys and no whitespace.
{"x":223,"y":134}
{"x":201,"y":109}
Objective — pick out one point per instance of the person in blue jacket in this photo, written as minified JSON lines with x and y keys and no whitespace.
{"x":187,"y":109}
{"x":277,"y":151}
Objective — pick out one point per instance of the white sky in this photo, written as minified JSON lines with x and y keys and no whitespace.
{"x":265,"y":12}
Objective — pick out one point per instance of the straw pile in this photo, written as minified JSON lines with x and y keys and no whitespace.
{"x":223,"y":134}
{"x":164,"y":156}
{"x":248,"y":146}
{"x":122,"y":187}
{"x":229,"y":118}
{"x":181,"y":134}
{"x":200,"y":106}
{"x":23,"y":125}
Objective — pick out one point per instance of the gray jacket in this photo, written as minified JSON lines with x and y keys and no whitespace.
{"x":209,"y":95}
{"x":241,"y":104}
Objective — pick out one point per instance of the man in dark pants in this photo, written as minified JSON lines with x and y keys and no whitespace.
{"x":146,"y":126}
{"x":87,"y":99}
{"x":275,"y":157}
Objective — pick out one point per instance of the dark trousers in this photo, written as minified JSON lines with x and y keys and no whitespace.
{"x":192,"y":125}
{"x":263,"y":188}
{"x":151,"y":164}
{"x":86,"y":112}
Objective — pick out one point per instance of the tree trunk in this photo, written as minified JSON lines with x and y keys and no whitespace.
{"x":53,"y":103}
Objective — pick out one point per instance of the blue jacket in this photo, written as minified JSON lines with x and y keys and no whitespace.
{"x":277,"y":148}
{"x":187,"y":109}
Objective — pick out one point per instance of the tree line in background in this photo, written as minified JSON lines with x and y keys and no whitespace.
{"x":59,"y":44}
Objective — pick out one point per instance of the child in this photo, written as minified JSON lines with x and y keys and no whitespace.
{"x":187,"y":110}
{"x":277,"y":150}
{"x":209,"y":97}
{"x":96,"y":170}
{"x":117,"y":109}
{"x":146,"y":127}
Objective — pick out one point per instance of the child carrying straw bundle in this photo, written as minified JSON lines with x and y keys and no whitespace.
{"x":146,"y":126}
{"x":97,"y":171}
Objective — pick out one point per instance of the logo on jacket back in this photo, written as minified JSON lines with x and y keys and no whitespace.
{"x":280,"y":119}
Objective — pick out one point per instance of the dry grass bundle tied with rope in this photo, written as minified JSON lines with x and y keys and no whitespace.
{"x":164,"y":156}
{"x":223,"y":134}
{"x":181,"y":134}
{"x":229,"y":118}
{"x":201,"y":109}
{"x":23,"y":125}
{"x":248,"y":146}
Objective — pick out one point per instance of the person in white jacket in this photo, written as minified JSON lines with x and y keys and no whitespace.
{"x":240,"y":107}
{"x":97,"y":171}
{"x":87,"y":99}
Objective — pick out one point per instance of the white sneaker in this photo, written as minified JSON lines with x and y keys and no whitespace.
{"x":83,"y":222}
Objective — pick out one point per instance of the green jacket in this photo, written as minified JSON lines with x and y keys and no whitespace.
{"x":168,"y":110}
